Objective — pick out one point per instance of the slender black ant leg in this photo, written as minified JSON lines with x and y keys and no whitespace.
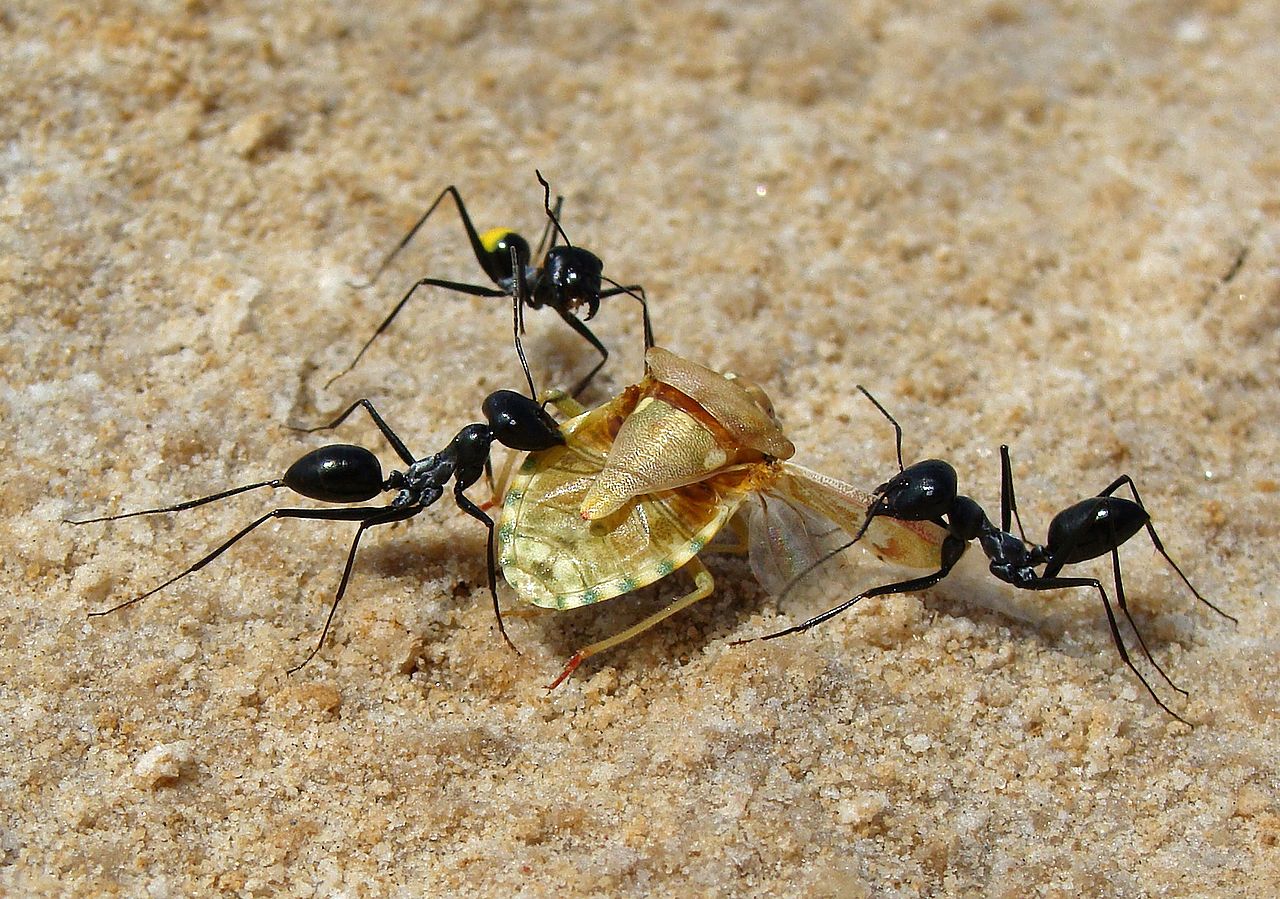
{"x":384,"y":515}
{"x":520,"y":296}
{"x":475,"y":290}
{"x":491,"y":570}
{"x":636,"y":292}
{"x":547,"y":230}
{"x":952,"y":550}
{"x":1073,"y":537}
{"x":1008,"y":502}
{"x":1057,"y":583}
{"x":189,"y":504}
{"x":590,"y":338}
{"x":477,"y":245}
{"x":589,"y":293}
{"x":316,"y":514}
{"x":1124,"y":480}
{"x":393,"y":439}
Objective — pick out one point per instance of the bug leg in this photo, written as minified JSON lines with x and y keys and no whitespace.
{"x":563,"y":402}
{"x":553,"y":218}
{"x":704,"y":584}
{"x":519,"y":297}
{"x":553,"y":215}
{"x":384,"y":515}
{"x":188,"y":504}
{"x":1057,"y":583}
{"x":1124,"y":607}
{"x":475,"y":290}
{"x":1008,"y":502}
{"x":1125,"y":480}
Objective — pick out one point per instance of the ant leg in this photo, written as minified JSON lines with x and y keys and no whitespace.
{"x":1124,"y":607}
{"x":1124,"y":480}
{"x":392,"y":438}
{"x":952,"y":550}
{"x":897,"y":428}
{"x":383,"y":515}
{"x":1008,"y":502}
{"x":188,"y":504}
{"x":466,"y":505}
{"x":704,"y":585}
{"x":320,"y":514}
{"x":475,"y":290}
{"x":590,"y":338}
{"x":477,"y":246}
{"x":1056,"y":583}
{"x":633,"y":290}
{"x":519,"y":297}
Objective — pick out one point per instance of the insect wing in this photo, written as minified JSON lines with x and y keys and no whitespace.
{"x":787,"y":541}
{"x":912,"y":544}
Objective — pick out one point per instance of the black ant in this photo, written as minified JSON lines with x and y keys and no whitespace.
{"x":567,"y":279}
{"x":927,"y":491}
{"x":342,"y":473}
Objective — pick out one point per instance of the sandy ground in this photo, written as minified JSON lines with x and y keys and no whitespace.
{"x":1041,"y":225}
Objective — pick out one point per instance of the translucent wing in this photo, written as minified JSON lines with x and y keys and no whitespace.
{"x":786,"y":541}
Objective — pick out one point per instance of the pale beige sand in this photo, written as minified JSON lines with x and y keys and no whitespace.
{"x":1014,"y":226}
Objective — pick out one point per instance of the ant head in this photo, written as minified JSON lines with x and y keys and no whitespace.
{"x":498,"y":243}
{"x":338,"y":473}
{"x":920,"y":492}
{"x":574,"y":275}
{"x":518,"y":422}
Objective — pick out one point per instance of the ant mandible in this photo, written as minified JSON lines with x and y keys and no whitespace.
{"x":1094,"y":527}
{"x":567,"y":279}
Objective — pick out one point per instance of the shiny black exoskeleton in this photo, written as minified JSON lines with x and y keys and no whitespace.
{"x":342,"y":473}
{"x":1094,"y":527}
{"x":567,"y":279}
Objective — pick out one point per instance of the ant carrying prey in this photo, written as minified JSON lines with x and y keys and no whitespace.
{"x":1094,"y":527}
{"x":567,"y":279}
{"x":343,"y":473}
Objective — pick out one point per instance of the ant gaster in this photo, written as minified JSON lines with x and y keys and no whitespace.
{"x":568,"y":278}
{"x":927,"y":491}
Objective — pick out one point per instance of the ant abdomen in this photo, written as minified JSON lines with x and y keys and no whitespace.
{"x":1094,"y":527}
{"x":338,"y":473}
